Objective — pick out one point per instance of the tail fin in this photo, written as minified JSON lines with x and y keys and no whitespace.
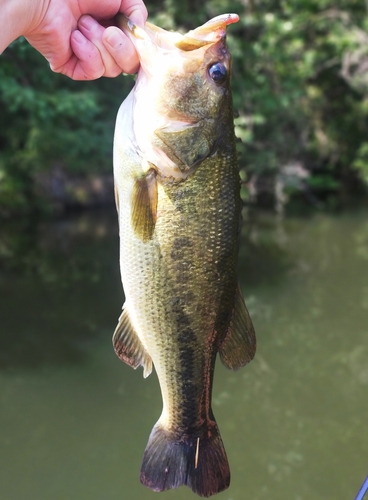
{"x":199,"y":462}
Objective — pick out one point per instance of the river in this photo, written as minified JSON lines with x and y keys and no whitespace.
{"x":74,"y":420}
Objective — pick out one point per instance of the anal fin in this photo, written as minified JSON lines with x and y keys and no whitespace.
{"x":144,"y":205}
{"x":239,"y":345}
{"x":128,"y":346}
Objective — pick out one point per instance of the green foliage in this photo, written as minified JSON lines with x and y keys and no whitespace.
{"x":300,"y":88}
{"x":49,"y":121}
{"x":300,"y":85}
{"x":361,"y":160}
{"x":290,"y":69}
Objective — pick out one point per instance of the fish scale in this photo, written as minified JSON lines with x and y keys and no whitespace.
{"x":178,"y":199}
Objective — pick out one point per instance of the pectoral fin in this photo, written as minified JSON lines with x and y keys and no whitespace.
{"x":239,"y":345}
{"x":128,"y":346}
{"x":144,"y":205}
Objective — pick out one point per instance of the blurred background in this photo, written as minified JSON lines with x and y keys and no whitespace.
{"x":300,"y":87}
{"x":74,"y":420}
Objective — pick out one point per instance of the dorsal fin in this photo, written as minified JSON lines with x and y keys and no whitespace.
{"x":239,"y":345}
{"x":128,"y":346}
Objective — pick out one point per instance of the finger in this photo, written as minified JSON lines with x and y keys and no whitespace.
{"x":86,"y":62}
{"x":135,"y":10}
{"x":121,"y":49}
{"x":93,"y":32}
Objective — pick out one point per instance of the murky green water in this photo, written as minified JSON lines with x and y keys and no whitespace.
{"x":74,"y":420}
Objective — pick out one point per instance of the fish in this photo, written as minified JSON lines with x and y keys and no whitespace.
{"x":177,"y":191}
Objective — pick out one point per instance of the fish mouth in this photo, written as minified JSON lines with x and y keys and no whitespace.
{"x":209,"y":33}
{"x":168,"y":116}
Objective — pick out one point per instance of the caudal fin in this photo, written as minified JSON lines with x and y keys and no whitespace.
{"x":200,"y":462}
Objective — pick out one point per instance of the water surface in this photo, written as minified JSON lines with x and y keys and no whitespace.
{"x":74,"y":420}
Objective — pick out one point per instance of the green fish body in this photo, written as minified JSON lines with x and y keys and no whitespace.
{"x":178,"y":197}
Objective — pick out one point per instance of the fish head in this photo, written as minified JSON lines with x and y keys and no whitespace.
{"x":182,"y":108}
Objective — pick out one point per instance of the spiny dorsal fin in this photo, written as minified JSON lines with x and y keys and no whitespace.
{"x":128,"y":346}
{"x":239,"y":345}
{"x":144,"y":205}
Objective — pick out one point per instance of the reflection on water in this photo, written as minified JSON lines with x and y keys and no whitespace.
{"x":74,"y":420}
{"x":58,"y":283}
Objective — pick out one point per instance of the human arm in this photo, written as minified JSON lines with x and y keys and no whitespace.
{"x":67,"y":34}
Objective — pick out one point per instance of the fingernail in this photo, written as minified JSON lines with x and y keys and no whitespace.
{"x":114,"y":39}
{"x":137,"y":18}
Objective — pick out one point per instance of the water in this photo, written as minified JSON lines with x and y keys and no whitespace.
{"x":74,"y":420}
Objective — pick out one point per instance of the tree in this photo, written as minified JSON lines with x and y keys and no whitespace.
{"x":300,"y":89}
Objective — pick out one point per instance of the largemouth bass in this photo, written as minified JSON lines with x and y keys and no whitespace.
{"x":178,"y":199}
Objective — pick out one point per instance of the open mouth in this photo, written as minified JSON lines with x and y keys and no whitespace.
{"x":208,"y":33}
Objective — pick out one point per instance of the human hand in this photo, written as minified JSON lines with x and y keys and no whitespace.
{"x":77,"y":45}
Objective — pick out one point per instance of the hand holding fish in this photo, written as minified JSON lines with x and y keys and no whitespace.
{"x":77,"y":37}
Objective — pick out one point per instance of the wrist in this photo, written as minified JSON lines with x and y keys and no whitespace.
{"x":18,"y":18}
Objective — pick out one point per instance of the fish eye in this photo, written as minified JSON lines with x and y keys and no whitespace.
{"x":217,"y":72}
